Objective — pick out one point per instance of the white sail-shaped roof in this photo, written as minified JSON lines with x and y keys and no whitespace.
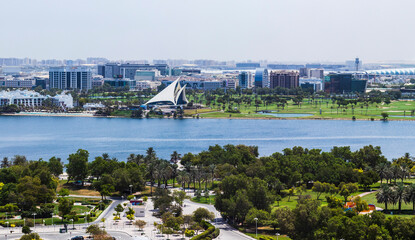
{"x":169,"y":96}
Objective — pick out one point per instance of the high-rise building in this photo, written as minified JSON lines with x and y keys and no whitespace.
{"x":304,"y":72}
{"x":261,"y":78}
{"x":344,"y":83}
{"x":284,"y":79}
{"x":70,"y":78}
{"x":316,"y":73}
{"x":245,"y":80}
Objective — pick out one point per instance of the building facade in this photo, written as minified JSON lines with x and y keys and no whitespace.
{"x":344,"y":83}
{"x":70,"y":78}
{"x":126,"y":70}
{"x":245,"y":80}
{"x":284,"y":79}
{"x":33,"y":99}
{"x":17,"y":83}
{"x":316,"y":73}
{"x":261,"y":78}
{"x":150,"y":75}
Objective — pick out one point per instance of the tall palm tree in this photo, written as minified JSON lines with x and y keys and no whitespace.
{"x":381,"y":170}
{"x":409,"y":195}
{"x":151,"y":155}
{"x":399,"y":190}
{"x":384,"y":195}
{"x":175,"y":157}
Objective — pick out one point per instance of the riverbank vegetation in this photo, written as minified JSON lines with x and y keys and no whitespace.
{"x":298,"y":192}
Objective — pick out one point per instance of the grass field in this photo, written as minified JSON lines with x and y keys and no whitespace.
{"x":210,"y":200}
{"x":396,"y":110}
{"x":329,"y":110}
{"x":371,"y":199}
{"x":269,"y":236}
{"x":77,"y":190}
{"x":292,"y":201}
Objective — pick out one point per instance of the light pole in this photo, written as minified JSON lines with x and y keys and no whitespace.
{"x":73,"y":224}
{"x":52,"y":221}
{"x":256,"y":227}
{"x":7,"y":224}
{"x":34,"y":220}
{"x":131,"y":189}
{"x":277,"y":234}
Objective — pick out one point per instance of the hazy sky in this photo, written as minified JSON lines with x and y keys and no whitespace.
{"x":275,"y":30}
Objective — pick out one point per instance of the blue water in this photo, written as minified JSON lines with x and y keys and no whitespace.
{"x":44,"y":137}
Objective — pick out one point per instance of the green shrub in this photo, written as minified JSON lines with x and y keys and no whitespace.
{"x":208,"y":233}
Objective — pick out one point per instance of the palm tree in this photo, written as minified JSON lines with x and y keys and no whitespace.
{"x":381,"y":170}
{"x":399,"y":190}
{"x":151,"y":155}
{"x":409,"y":195}
{"x":396,"y":172}
{"x":175,"y":157}
{"x":384,"y":195}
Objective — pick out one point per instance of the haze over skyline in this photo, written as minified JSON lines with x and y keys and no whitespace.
{"x":274,"y":30}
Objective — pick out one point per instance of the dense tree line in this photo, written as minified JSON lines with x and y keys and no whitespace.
{"x":27,"y":184}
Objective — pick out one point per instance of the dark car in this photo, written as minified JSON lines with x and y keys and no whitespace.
{"x":77,"y":238}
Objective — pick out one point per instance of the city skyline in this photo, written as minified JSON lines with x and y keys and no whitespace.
{"x":283,"y":31}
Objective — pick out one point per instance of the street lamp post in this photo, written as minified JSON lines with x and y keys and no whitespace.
{"x":73,"y":224}
{"x":131,"y":189}
{"x":34,"y":220}
{"x":277,"y":234}
{"x":256,"y":227}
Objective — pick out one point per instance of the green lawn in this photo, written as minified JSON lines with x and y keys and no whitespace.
{"x":292,"y":202}
{"x":371,"y":199}
{"x":210,"y":200}
{"x":328,"y":110}
{"x":266,"y":235}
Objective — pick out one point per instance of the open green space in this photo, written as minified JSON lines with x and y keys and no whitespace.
{"x":267,"y":236}
{"x":210,"y":200}
{"x":329,"y":110}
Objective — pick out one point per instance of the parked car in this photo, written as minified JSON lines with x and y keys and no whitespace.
{"x":77,"y":238}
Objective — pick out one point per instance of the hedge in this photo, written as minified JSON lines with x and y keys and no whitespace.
{"x":210,"y":232}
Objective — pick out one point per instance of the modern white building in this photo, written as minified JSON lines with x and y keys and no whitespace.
{"x":33,"y":99}
{"x":173,"y":95}
{"x":70,"y":78}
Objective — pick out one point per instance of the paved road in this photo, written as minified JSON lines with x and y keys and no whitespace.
{"x":227,"y":232}
{"x":64,"y":236}
{"x":122,"y":230}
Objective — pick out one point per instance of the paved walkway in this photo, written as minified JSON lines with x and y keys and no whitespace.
{"x":123,"y":229}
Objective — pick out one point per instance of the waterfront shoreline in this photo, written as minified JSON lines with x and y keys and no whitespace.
{"x":34,"y":114}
